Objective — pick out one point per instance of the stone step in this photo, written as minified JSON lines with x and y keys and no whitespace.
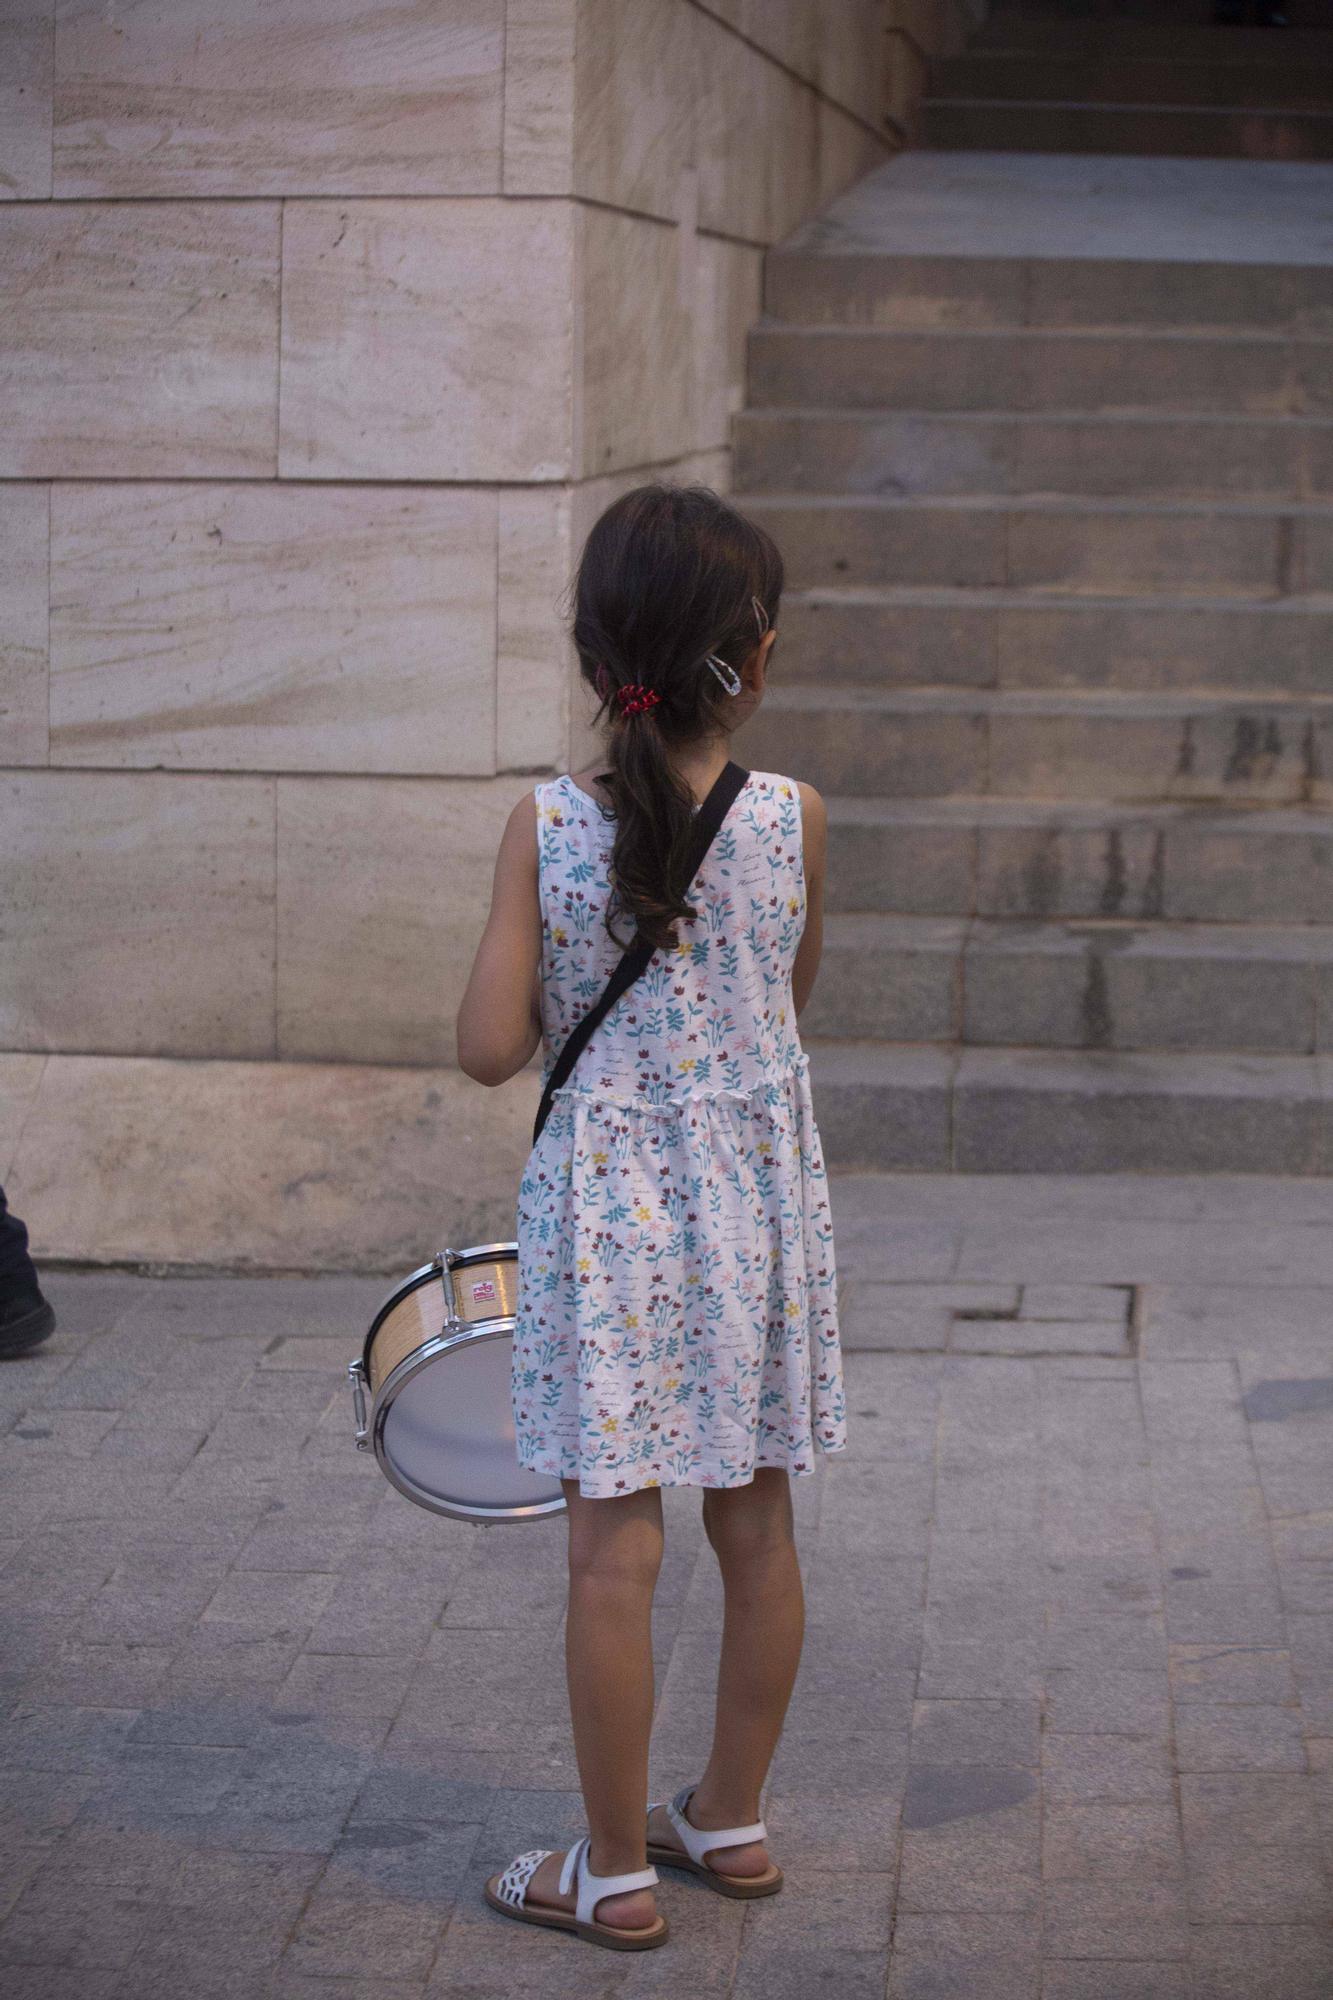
{"x":1112,"y":983}
{"x":1219,"y":78}
{"x":1054,"y":452}
{"x":924,"y":742}
{"x":1097,"y":210}
{"x":914,"y":1106}
{"x":902,"y":637}
{"x":1080,"y":859}
{"x":956,"y":369}
{"x":915,"y":290}
{"x":1124,"y":546}
{"x":1120,"y":32}
{"x":1144,"y":130}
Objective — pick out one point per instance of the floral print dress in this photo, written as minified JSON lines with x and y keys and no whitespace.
{"x":677,"y":1312}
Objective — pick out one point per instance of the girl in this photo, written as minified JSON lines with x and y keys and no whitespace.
{"x":677,"y":1321}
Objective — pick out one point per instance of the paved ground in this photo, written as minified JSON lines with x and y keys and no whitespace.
{"x":1064,"y":1724}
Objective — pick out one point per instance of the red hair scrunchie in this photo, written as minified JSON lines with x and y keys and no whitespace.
{"x":634,"y":697}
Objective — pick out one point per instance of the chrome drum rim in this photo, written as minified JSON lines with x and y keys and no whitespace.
{"x":391,"y":1387}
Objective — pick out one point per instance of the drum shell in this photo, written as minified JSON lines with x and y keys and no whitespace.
{"x":430,"y":1322}
{"x":484,"y":1284}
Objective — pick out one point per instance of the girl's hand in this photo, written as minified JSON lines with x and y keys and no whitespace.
{"x":814,"y":843}
{"x":499,"y":1021}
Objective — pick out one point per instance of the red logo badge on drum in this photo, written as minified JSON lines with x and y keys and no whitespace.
{"x":484,"y":1288}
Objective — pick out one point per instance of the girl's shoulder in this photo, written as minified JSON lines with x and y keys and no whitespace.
{"x":555,"y":793}
{"x":563,"y":807}
{"x":797,"y":812}
{"x":778,"y":786}
{"x":572,"y":797}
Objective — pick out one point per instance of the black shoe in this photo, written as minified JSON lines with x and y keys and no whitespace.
{"x":26,"y":1318}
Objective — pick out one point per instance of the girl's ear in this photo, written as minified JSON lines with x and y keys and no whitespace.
{"x":756,"y":667}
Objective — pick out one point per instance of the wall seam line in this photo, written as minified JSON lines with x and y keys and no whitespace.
{"x":495,"y":665}
{"x":278,"y":370}
{"x":502,"y":161}
{"x":806,"y":83}
{"x":344,"y":200}
{"x":29,"y":1108}
{"x":51,"y":196}
{"x":277,"y":928}
{"x":50,"y":578}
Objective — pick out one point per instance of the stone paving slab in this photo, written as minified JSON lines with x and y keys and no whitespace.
{"x":1064,"y":1723}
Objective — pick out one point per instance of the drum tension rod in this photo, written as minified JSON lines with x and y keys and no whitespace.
{"x":445,"y":1260}
{"x":356,"y":1374}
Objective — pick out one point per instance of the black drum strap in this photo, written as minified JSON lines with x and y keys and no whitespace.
{"x":638,"y":957}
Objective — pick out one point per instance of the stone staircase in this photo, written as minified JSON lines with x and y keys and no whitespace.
{"x":1058,"y":651}
{"x":1138,"y":76}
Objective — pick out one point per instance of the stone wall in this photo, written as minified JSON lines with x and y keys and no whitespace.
{"x":328,"y":327}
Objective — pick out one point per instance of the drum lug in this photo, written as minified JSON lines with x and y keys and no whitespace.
{"x":445,"y":1259}
{"x":356,"y":1374}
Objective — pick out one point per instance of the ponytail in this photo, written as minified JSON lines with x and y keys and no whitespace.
{"x":654,"y":811}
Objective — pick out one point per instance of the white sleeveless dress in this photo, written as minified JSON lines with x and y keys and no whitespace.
{"x":677,"y":1314}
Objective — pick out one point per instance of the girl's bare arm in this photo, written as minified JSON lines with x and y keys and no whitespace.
{"x":499,"y":1021}
{"x":814,"y":830}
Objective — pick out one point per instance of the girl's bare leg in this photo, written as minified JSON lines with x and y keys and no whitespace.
{"x":615,"y":1553}
{"x":752,"y":1533}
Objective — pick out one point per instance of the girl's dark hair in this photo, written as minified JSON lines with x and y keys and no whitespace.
{"x":667,"y":577}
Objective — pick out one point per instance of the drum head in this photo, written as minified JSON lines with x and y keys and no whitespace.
{"x":443,"y":1430}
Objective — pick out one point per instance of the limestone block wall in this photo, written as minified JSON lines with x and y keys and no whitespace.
{"x":328,"y":325}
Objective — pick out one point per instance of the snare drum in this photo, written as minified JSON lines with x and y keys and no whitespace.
{"x":436,"y":1368}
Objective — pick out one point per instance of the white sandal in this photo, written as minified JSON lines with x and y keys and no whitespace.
{"x":508,"y":1892}
{"x":701,"y":1840}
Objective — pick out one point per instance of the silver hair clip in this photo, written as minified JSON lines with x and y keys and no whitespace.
{"x":728,"y":676}
{"x":761,"y":616}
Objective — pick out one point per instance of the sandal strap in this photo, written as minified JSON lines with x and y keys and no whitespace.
{"x":592,"y":1888}
{"x":701,"y":1840}
{"x":513,"y":1884}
